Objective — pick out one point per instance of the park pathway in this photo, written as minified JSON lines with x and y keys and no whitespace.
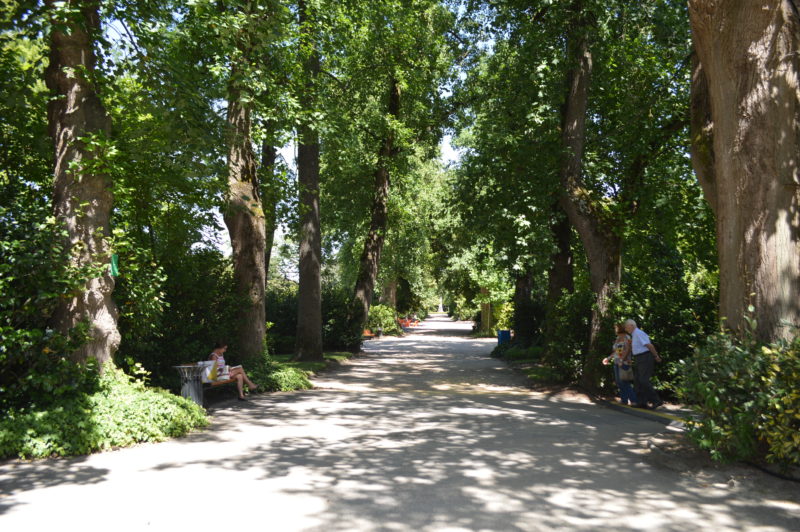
{"x":422,"y":433}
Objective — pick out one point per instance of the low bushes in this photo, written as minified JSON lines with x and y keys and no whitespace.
{"x":120,"y":412}
{"x":272,"y":376}
{"x":383,"y":317}
{"x":747,"y":396}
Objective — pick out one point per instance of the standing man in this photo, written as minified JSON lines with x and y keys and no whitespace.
{"x":645,"y":357}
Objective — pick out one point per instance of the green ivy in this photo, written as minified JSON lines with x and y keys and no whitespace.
{"x":120,"y":413}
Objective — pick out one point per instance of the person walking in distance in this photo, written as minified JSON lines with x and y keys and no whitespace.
{"x":645,"y":357}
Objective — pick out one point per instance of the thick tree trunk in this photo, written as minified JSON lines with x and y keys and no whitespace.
{"x":603,"y":247}
{"x":309,"y":298}
{"x":244,"y":217}
{"x":82,"y":191}
{"x":750,"y":172}
{"x":373,"y":245}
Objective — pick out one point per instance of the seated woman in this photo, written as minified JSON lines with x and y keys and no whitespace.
{"x":236,"y":372}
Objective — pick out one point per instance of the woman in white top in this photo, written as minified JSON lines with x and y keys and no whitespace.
{"x":236,"y":372}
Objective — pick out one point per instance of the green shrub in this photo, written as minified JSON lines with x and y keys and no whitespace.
{"x":121,"y":412}
{"x":337,"y":331}
{"x":747,"y":398}
{"x":383,"y":317}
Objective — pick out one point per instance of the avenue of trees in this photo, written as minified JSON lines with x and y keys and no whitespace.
{"x":269,"y":173}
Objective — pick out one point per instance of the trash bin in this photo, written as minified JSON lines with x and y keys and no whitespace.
{"x":503,"y":336}
{"x":191,"y":382}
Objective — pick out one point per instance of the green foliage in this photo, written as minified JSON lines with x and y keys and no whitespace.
{"x":746,"y":396}
{"x":517,"y":353}
{"x":337,"y":332}
{"x":121,"y":412}
{"x":273,"y":376}
{"x":502,"y":315}
{"x":35,"y":266}
{"x":199,"y":309}
{"x":383,"y":317}
{"x":281,"y":299}
{"x":568,"y":333}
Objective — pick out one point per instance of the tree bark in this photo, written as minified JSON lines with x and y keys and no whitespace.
{"x":244,"y":217}
{"x":746,"y":155}
{"x":309,"y":298}
{"x":371,"y":256}
{"x":82,"y":190}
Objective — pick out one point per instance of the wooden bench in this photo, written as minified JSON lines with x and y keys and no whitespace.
{"x":367,"y":335}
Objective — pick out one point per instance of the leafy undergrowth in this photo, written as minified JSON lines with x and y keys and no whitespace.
{"x":529,"y":360}
{"x":280,"y":374}
{"x":120,"y":413}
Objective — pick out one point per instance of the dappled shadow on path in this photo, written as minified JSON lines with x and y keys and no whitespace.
{"x":421,"y":433}
{"x":476,"y":462}
{"x":17,"y":477}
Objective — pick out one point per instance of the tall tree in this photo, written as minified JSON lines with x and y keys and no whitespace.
{"x":309,"y":296}
{"x":371,"y":255}
{"x":746,"y":146}
{"x":244,"y":216}
{"x":79,"y":127}
{"x":603,"y":246}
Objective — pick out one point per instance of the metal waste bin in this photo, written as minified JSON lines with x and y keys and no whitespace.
{"x":191,"y":382}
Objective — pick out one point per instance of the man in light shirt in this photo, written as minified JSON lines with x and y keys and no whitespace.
{"x":644,"y":358}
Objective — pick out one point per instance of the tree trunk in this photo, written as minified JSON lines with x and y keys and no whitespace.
{"x":371,"y":256}
{"x":486,"y":313}
{"x":309,"y":298}
{"x":524,"y":318}
{"x":389,"y":295}
{"x":749,"y":57}
{"x":603,"y":247}
{"x":271,"y":195}
{"x":82,"y":190}
{"x":244,"y":217}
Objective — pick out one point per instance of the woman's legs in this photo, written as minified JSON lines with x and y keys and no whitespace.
{"x":239,"y":385}
{"x":240,"y":375}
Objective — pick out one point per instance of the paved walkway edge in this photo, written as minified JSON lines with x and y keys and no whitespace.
{"x":672,"y":421}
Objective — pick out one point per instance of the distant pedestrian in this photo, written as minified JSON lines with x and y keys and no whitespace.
{"x":620,"y":359}
{"x":645,"y":357}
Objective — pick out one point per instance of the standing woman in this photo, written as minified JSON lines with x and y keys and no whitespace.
{"x":620,"y":358}
{"x":236,"y":372}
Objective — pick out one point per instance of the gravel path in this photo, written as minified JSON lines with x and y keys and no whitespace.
{"x":422,"y":433}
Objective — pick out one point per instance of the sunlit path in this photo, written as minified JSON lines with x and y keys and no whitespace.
{"x":424,"y":432}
